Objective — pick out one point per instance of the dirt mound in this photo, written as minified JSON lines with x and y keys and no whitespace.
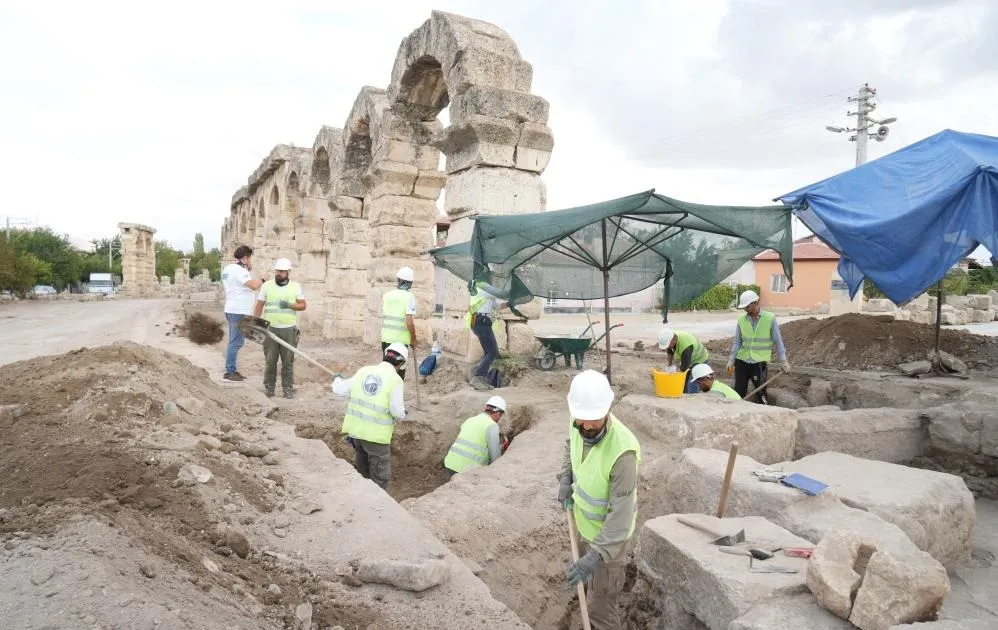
{"x":202,"y":329}
{"x":872,"y":342}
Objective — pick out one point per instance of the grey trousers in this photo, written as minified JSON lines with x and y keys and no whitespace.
{"x":273,"y":351}
{"x":372,"y":461}
{"x":603,"y":591}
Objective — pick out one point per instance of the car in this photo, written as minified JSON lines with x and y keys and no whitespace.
{"x":44,"y":289}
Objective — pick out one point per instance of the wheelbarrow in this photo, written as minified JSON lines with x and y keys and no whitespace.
{"x":567,"y":347}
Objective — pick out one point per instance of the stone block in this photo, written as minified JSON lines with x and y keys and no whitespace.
{"x":494,"y":191}
{"x":948,"y":624}
{"x":893,"y":435}
{"x":819,"y":393}
{"x":347,"y":282}
{"x":921,"y":303}
{"x":935,"y":510}
{"x":348,"y":309}
{"x":483,"y":100}
{"x":924,"y":317}
{"x":477,"y":66}
{"x":410,"y":576}
{"x":348,"y":230}
{"x":764,"y":433}
{"x":427,"y":158}
{"x":481,"y":141}
{"x":914,"y":368}
{"x":980,"y":317}
{"x":392,"y":178}
{"x":349,"y":256}
{"x":407,"y":211}
{"x":956,"y":428}
{"x":393,"y":150}
{"x":831,"y":571}
{"x":958,"y":301}
{"x":879,"y":306}
{"x":429,"y":183}
{"x":533,"y":149}
{"x":345,"y":206}
{"x":531,"y":310}
{"x":791,"y":612}
{"x":715,"y":587}
{"x":384,"y":271}
{"x":520,"y":340}
{"x":695,"y":485}
{"x":312,"y":266}
{"x":310,"y":242}
{"x":399,"y":241}
{"x":343,"y":328}
{"x":895,"y":591}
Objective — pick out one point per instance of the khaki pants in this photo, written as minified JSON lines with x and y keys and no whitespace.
{"x":272,"y":351}
{"x":603,"y":591}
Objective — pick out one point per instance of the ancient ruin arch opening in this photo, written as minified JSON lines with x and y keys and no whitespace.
{"x":291,"y":195}
{"x":320,"y":172}
{"x":423,"y":90}
{"x":275,"y":196}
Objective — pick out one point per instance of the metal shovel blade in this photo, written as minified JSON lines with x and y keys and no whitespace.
{"x":771,"y":568}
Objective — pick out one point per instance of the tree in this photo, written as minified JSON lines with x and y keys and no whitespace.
{"x":19,"y":270}
{"x":64,"y":262}
{"x":167,"y":259}
{"x":96,"y":261}
{"x":198,"y":245}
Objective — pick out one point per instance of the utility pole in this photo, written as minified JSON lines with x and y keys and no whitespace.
{"x":864,"y":122}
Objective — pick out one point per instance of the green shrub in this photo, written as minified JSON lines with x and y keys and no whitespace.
{"x":742,"y":288}
{"x":717,"y":298}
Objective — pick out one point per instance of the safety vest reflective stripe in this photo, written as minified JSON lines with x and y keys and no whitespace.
{"x":369,"y":415}
{"x":274,"y":294}
{"x":479,"y":457}
{"x":589,"y":499}
{"x":757,"y":342}
{"x":471,"y":448}
{"x":393,"y":317}
{"x":382,"y":415}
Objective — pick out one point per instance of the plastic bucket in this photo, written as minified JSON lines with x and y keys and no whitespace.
{"x":669,"y":384}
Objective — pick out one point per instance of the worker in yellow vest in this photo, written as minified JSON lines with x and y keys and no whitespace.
{"x":479,"y":442}
{"x":483,"y":319}
{"x":377,"y":401}
{"x":398,"y":307}
{"x":598,"y":485}
{"x":279,"y":302}
{"x":688,"y":349}
{"x":702,"y":376}
{"x":756,"y":333}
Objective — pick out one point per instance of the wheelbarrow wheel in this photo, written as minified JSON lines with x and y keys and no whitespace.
{"x":546,"y":360}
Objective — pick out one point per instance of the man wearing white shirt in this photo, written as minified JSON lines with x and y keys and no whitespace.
{"x":240,"y":298}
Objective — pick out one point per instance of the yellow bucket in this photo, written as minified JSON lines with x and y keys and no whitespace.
{"x":668,"y":384}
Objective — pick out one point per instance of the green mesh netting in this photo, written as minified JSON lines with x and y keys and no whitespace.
{"x":618,"y":247}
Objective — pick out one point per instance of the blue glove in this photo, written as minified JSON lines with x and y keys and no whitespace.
{"x":582,"y":569}
{"x":284,"y":304}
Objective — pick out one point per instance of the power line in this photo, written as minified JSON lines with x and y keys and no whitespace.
{"x":865,"y":104}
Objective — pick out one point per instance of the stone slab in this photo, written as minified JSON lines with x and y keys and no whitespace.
{"x":399,"y":241}
{"x":893,"y":435}
{"x":716,"y":587}
{"x":792,"y":612}
{"x":967,"y":624}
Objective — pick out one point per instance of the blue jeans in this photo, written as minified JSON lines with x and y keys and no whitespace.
{"x":486,"y":337}
{"x":236,"y":341}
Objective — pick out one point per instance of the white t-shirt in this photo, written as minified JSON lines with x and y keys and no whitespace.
{"x":411,"y":309}
{"x":238,"y":296}
{"x":262,"y":297}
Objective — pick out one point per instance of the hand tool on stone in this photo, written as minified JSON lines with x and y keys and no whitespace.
{"x":763,"y":386}
{"x":732,"y":454}
{"x":752,"y":552}
{"x":583,"y":604}
{"x":770,"y":568}
{"x":720,"y":539}
{"x":256,"y":329}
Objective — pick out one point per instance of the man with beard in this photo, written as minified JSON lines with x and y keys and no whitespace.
{"x":279,"y":302}
{"x":598,"y":485}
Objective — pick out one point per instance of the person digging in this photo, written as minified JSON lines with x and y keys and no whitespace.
{"x":398,"y":307}
{"x":279,"y":302}
{"x":756,"y":333}
{"x":703,"y":376}
{"x":377,"y":402}
{"x":679,"y":343}
{"x":479,"y":442}
{"x":598,"y":485}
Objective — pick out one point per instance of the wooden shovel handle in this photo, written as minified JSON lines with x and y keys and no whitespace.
{"x":727,"y":480}
{"x":583,"y":604}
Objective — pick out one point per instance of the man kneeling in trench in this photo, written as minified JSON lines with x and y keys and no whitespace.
{"x":377,"y":400}
{"x":598,"y":484}
{"x":479,"y":442}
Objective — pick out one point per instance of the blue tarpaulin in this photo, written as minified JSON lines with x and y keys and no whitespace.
{"x":905,"y":219}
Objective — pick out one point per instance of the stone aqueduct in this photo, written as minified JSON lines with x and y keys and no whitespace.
{"x":362,"y":201}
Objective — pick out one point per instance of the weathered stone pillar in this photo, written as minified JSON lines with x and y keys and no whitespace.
{"x":138,"y":260}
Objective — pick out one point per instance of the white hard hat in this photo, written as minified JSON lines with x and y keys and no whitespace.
{"x":665,"y":335}
{"x":398,"y":348}
{"x":700,"y":370}
{"x":590,"y":396}
{"x":496,"y":402}
{"x":406,"y":273}
{"x":747,"y":298}
{"x":282,"y":264}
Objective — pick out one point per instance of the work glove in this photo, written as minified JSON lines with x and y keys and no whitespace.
{"x":730,"y":368}
{"x":786,"y":366}
{"x":284,"y":304}
{"x":565,"y":494}
{"x":582,"y":569}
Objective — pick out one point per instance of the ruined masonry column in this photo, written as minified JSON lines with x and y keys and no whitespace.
{"x":349,"y":258}
{"x":138,"y":260}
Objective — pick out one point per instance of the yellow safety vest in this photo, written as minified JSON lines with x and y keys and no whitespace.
{"x":686,"y":340}
{"x":757,"y":343}
{"x":272,"y":311}
{"x":369,"y":415}
{"x":393,"y":317}
{"x":471,"y":448}
{"x":591,"y":487}
{"x":721,"y":388}
{"x":475,"y":302}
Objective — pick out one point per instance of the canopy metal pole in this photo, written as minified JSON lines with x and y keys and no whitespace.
{"x":606,"y":300}
{"x":939,"y":316}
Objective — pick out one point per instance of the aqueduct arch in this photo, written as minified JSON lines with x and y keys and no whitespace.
{"x":370,"y":191}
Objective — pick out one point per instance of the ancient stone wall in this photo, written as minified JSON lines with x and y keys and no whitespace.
{"x":138,"y":260}
{"x":362,"y":201}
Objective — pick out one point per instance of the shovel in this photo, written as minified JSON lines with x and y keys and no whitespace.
{"x":257,"y":329}
{"x":763,"y":386}
{"x":724,"y":541}
{"x":583,"y":604}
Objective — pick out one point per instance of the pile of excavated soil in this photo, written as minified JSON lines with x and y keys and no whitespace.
{"x":99,"y":438}
{"x":202,"y":329}
{"x":872,"y":342}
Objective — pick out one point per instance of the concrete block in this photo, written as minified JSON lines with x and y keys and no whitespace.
{"x":399,"y":241}
{"x":349,"y":255}
{"x":893,"y":435}
{"x":789,"y":612}
{"x":407,"y":211}
{"x":715,"y":587}
{"x":935,"y":510}
{"x":494,"y":191}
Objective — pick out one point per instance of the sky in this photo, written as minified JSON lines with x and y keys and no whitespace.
{"x":157,"y":113}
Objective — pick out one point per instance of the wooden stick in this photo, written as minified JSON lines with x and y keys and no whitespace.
{"x":415,"y":363}
{"x":771,"y":379}
{"x":727,"y":480}
{"x":583,"y":604}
